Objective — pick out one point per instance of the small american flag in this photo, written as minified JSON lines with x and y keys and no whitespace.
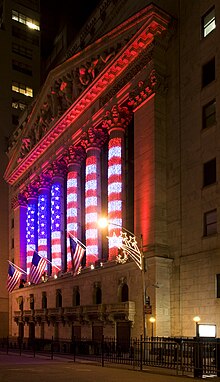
{"x":38,"y":266}
{"x":77,"y":252}
{"x":13,"y":277}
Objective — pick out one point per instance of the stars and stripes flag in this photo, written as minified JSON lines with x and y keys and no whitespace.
{"x":13,"y":277}
{"x":77,"y":252}
{"x":38,"y":266}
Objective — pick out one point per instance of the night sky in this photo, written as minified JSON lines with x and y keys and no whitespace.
{"x":54,"y":12}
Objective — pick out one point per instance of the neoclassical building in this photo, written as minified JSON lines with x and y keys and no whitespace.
{"x":111,"y":134}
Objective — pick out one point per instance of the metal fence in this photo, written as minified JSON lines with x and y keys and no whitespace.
{"x":187,"y":356}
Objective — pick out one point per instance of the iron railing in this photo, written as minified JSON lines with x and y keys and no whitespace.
{"x":187,"y":356}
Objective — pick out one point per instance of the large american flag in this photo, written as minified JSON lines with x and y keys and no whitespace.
{"x":38,"y":266}
{"x":13,"y":277}
{"x":77,"y":252}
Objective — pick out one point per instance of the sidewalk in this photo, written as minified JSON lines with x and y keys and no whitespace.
{"x":9,"y":362}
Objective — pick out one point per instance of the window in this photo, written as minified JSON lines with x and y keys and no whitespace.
{"x":44,"y":300}
{"x":25,"y":36}
{"x":31,"y":301}
{"x":209,"y":114}
{"x":208,"y":72}
{"x":15,"y":120}
{"x":22,"y":51}
{"x":18,"y":104}
{"x":22,"y":89}
{"x":208,"y":22}
{"x":21,"y":67}
{"x":218,"y":285}
{"x":98,"y":295}
{"x":58,"y":298}
{"x":23,"y":19}
{"x":124,"y":293}
{"x":210,"y":222}
{"x":209,"y":172}
{"x":76,"y":296}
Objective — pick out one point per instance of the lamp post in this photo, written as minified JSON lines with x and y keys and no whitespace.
{"x":152,"y":320}
{"x":127,"y":241}
{"x":196,"y":319}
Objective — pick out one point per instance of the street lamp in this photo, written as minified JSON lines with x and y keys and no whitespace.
{"x":127,"y":241}
{"x":196,"y":319}
{"x":152,"y":320}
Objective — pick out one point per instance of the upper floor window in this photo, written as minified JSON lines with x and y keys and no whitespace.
{"x":208,"y":22}
{"x":58,"y":298}
{"x":208,"y":72}
{"x":18,"y":104}
{"x":23,"y":19}
{"x":22,"y":50}
{"x":21,"y":88}
{"x":209,"y":172}
{"x":209,"y":114}
{"x":210,"y":222}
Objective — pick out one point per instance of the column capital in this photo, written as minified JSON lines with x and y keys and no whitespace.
{"x":117,"y":118}
{"x":75,"y":155}
{"x":59,"y":168}
{"x":94,"y":138}
{"x":19,"y":201}
{"x":45,"y":179}
{"x":31,"y":191}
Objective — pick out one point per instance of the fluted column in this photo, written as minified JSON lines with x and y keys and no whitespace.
{"x":31,"y":223}
{"x":93,"y":142}
{"x":116,"y":121}
{"x":57,"y":217}
{"x":45,"y":180}
{"x":20,"y":212}
{"x":76,"y":155}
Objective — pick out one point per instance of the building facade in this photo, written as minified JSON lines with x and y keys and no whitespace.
{"x":19,"y":83}
{"x":125,"y":128}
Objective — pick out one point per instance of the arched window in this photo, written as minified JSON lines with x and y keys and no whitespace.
{"x":76,"y":297}
{"x":58,"y":298}
{"x":44,"y":300}
{"x":124,"y":293}
{"x":98,"y":295}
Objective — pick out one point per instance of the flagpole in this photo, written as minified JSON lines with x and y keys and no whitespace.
{"x":77,"y":240}
{"x":16,"y":266}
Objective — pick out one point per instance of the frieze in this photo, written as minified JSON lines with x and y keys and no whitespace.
{"x":154,"y":83}
{"x":63,"y":92}
{"x":145,"y":59}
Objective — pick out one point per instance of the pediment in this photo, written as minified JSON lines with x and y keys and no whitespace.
{"x":71,"y":88}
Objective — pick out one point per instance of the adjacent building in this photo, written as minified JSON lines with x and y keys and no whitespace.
{"x":19,"y":83}
{"x":126,"y":127}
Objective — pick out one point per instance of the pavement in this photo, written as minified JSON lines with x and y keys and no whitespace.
{"x":27,"y":368}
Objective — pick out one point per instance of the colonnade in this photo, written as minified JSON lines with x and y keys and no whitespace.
{"x":66,"y":197}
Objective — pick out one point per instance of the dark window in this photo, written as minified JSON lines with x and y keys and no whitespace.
{"x":218,"y":285}
{"x":12,"y":223}
{"x":12,"y":243}
{"x":44,"y":300}
{"x":31,"y":301}
{"x":210,"y":222}
{"x":209,"y":114}
{"x":21,"y":67}
{"x":25,"y":36}
{"x":209,"y":172}
{"x":15,"y":120}
{"x":76,"y":297}
{"x":98,"y":296}
{"x":124,"y":293}
{"x":208,"y":72}
{"x":58,"y":298}
{"x":22,"y":51}
{"x":208,"y":22}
